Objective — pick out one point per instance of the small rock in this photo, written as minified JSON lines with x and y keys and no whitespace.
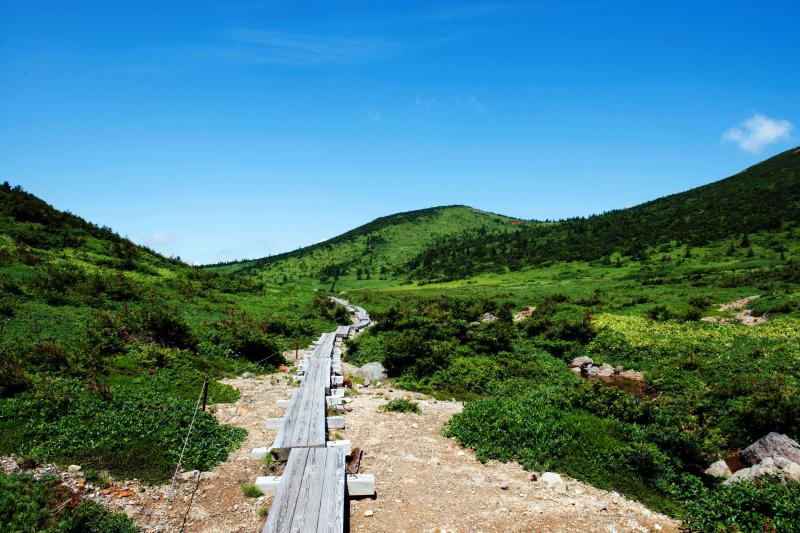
{"x":591,"y":503}
{"x":554,"y":481}
{"x":368,"y":512}
{"x":74,"y":469}
{"x":581,"y":361}
{"x":576,"y":370}
{"x":247,"y":375}
{"x":534,"y":476}
{"x":719,"y":469}
{"x":504,"y":485}
{"x":190,"y":475}
{"x":606,"y":371}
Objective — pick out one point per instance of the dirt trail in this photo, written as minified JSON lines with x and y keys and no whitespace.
{"x":426,"y":482}
{"x":743,"y":316}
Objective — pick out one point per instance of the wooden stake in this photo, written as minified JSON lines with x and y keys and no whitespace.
{"x":205,"y":393}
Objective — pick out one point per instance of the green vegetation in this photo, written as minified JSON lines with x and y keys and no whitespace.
{"x":104,"y":345}
{"x":762,"y":198}
{"x":374,"y":253}
{"x":102,"y":339}
{"x":401,"y":405}
{"x":47,"y":506}
{"x":249,"y":490}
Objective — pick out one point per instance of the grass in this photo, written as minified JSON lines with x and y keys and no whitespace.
{"x":400,"y":405}
{"x":249,"y":490}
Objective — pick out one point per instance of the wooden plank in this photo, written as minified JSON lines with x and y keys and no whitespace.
{"x":331,"y":512}
{"x":308,"y":428}
{"x":309,"y":499}
{"x":282,"y":510}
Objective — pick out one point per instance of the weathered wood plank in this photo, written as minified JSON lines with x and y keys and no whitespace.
{"x":282,"y":510}
{"x":308,"y":427}
{"x":309,"y":499}
{"x":331,"y":512}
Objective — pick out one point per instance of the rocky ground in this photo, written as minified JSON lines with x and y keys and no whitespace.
{"x":742,"y":315}
{"x":425,"y":482}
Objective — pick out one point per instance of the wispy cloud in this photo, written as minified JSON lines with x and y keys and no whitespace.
{"x":160,"y":239}
{"x":258,"y":47}
{"x":757,"y":132}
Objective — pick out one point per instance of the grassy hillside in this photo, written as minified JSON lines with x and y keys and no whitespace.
{"x":104,"y":344}
{"x":375,"y":250}
{"x":763,"y":197}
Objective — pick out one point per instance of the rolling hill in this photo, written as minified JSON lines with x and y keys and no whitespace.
{"x":764,"y":197}
{"x":377,"y":248}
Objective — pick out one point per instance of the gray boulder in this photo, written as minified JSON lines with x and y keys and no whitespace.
{"x":606,"y":371}
{"x":579,"y":362}
{"x":373,"y":371}
{"x":771,"y":445}
{"x":719,"y":469}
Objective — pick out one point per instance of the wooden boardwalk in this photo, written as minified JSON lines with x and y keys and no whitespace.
{"x":311,"y":492}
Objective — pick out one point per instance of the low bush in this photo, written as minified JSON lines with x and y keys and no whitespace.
{"x":744,"y":507}
{"x":400,"y":405}
{"x":47,"y":506}
{"x":131,"y":432}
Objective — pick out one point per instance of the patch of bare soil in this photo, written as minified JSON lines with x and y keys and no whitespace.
{"x":743,"y":316}
{"x":426,"y":482}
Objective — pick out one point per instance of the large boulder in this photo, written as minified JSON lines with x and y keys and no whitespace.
{"x":771,"y":445}
{"x":781,"y":467}
{"x":719,"y":469}
{"x":373,"y":371}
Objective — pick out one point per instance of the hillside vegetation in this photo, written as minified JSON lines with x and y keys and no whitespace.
{"x":377,"y":250}
{"x":103,"y":338}
{"x":104,"y":346}
{"x":763,"y":197}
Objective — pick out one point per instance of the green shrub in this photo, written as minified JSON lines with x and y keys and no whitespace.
{"x":400,"y":405}
{"x":249,"y":490}
{"x":131,"y":432}
{"x":47,"y":506}
{"x":745,"y":507}
{"x":158,"y":323}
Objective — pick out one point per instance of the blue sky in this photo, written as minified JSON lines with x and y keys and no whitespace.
{"x":223,"y":130}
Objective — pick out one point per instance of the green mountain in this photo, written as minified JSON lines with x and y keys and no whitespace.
{"x":764,"y":197}
{"x":376,"y":249}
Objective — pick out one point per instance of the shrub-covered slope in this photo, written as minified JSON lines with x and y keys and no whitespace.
{"x":104,"y":345}
{"x":376,"y":249}
{"x":762,"y":197}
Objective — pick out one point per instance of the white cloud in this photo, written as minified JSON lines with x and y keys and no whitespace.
{"x":757,"y":132}
{"x":160,"y":239}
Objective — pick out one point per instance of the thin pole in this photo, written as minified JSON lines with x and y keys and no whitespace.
{"x":205,"y":393}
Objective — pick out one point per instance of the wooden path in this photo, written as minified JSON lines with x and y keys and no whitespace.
{"x":311,"y":492}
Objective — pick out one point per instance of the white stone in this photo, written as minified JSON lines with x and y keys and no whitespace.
{"x":553,"y":480}
{"x":74,"y":469}
{"x":368,"y":512}
{"x":719,"y":469}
